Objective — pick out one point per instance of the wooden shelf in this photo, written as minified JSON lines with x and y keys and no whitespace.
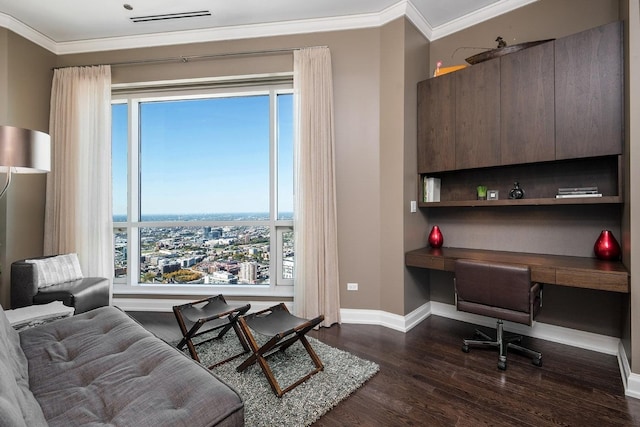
{"x":540,"y":182}
{"x":524,"y":202}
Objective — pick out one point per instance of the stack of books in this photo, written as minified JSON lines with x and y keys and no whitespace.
{"x":569,"y":192}
{"x":430,"y":189}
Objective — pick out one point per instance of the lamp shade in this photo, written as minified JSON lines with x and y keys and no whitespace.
{"x":24,"y":150}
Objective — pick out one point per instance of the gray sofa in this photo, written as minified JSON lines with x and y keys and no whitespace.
{"x":103,"y":368}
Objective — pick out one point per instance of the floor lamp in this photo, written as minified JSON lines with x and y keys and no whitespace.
{"x":23,"y":151}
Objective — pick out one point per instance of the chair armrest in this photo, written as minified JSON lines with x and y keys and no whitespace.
{"x":23,"y":284}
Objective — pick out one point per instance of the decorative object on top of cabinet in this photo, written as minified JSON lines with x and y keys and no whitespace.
{"x":516,"y":192}
{"x":435,"y":237}
{"x":492,"y":194}
{"x":440,"y":70}
{"x":502,"y":50}
{"x":607,"y":247}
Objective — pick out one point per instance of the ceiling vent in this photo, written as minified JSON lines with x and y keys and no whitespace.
{"x":168,"y":16}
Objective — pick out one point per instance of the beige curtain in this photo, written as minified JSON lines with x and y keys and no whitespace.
{"x":78,"y":208}
{"x":316,"y":289}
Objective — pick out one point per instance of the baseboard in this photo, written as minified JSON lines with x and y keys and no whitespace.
{"x":630,"y":380}
{"x":573,"y":337}
{"x":383,"y":318}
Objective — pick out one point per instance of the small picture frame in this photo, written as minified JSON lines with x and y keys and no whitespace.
{"x":492,"y":194}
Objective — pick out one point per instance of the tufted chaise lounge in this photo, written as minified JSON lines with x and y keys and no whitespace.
{"x":103,"y":368}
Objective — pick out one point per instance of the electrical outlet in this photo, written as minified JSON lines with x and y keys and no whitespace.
{"x":352,"y":286}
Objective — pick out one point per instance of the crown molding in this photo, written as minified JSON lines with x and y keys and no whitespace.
{"x":403,"y":8}
{"x":481,"y":15}
{"x":418,"y":20}
{"x":10,"y":23}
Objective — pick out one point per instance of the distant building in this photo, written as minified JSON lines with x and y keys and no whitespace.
{"x":287,"y":268}
{"x":221,"y":277}
{"x":249,"y":272}
{"x":170,"y":267}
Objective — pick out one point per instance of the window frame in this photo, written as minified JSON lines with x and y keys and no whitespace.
{"x":133,"y":95}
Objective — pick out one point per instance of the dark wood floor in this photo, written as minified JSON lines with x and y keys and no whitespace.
{"x":426,"y":380}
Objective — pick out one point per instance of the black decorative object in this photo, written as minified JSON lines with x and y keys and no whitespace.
{"x":500,"y":51}
{"x":516,"y":192}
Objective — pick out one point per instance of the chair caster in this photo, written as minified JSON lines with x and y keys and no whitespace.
{"x":502,"y":365}
{"x":465,"y":348}
{"x":537,"y":362}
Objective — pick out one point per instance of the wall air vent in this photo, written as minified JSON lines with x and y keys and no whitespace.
{"x":167,"y":16}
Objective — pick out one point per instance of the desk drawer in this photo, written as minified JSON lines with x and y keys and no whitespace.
{"x":543,"y":275}
{"x":425,"y":261}
{"x":614,"y":282}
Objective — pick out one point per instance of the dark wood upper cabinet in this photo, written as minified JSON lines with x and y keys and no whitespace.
{"x":589,"y":93}
{"x":477,"y":119}
{"x":527,"y":118}
{"x":436,"y":124}
{"x":549,"y":116}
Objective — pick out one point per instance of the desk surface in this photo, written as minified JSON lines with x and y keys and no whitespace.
{"x":579,"y":272}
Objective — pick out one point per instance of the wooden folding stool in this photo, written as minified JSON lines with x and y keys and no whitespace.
{"x":284,"y":329}
{"x":208,"y":315}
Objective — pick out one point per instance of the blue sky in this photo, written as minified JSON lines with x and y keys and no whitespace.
{"x":205,"y":155}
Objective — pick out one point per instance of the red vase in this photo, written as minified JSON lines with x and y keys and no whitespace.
{"x":607,"y":247}
{"x":435,"y":237}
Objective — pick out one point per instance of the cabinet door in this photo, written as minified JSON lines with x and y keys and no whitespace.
{"x":478,"y":115}
{"x":527,"y":132}
{"x":589,"y":93}
{"x":436,"y":109}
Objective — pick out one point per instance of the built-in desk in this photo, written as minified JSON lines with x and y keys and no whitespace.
{"x":579,"y":272}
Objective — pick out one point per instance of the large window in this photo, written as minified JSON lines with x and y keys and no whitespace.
{"x":203,"y":188}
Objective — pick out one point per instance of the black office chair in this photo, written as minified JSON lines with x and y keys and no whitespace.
{"x":502,"y":291}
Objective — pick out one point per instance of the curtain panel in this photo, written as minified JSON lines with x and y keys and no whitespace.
{"x":316,"y":288}
{"x":78,"y":207}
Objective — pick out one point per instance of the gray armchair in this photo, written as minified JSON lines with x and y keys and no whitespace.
{"x":83,"y":294}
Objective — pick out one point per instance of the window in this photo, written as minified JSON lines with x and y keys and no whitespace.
{"x":203,"y":188}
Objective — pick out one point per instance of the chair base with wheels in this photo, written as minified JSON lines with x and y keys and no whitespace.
{"x":209,"y":315}
{"x":503,"y":343}
{"x":283,"y":330}
{"x":501,"y":291}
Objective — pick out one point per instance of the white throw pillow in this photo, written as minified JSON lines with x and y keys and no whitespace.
{"x":57,"y":269}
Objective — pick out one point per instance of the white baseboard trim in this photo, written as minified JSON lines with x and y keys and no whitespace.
{"x":575,"y":338}
{"x":630,"y":380}
{"x":383,"y":318}
{"x":572,"y":337}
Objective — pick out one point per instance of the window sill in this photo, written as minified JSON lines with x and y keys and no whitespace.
{"x":122,"y":290}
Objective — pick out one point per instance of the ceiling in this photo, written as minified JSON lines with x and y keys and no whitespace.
{"x":73,"y":26}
